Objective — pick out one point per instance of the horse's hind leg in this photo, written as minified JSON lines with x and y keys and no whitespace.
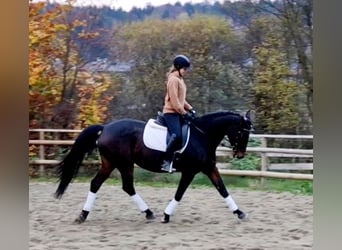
{"x":95,"y":185}
{"x":184,"y":182}
{"x":128,"y":187}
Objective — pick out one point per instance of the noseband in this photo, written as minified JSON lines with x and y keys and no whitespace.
{"x":238,"y":136}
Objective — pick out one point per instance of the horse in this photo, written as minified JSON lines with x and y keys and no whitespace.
{"x":120,"y":145}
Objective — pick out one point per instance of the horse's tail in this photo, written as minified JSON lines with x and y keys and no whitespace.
{"x":84,"y":144}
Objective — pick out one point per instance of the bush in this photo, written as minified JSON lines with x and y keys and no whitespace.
{"x":249,"y":162}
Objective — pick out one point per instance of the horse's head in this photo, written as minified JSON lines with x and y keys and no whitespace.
{"x":238,"y":135}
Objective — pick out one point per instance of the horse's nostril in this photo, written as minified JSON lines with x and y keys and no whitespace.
{"x":239,"y":154}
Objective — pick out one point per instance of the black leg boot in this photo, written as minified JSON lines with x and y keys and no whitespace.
{"x":167,"y":163}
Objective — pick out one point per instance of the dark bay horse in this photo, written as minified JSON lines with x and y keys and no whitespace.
{"x":120,"y":144}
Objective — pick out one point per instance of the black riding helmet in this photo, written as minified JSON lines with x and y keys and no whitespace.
{"x":181,"y":61}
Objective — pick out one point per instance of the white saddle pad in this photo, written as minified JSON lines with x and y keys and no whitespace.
{"x":154,"y":136}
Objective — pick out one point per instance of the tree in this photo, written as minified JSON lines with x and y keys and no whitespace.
{"x":296,"y":22}
{"x":297,"y":19}
{"x":189,"y":8}
{"x":275,"y":94}
{"x":211,"y":45}
{"x":54,"y":66}
{"x":42,"y":73}
{"x":241,"y":12}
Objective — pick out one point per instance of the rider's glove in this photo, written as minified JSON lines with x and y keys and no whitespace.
{"x":192,"y":113}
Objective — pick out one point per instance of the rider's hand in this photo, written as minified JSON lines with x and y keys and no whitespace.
{"x":192,"y":113}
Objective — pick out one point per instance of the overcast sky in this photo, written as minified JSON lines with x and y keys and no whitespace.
{"x":129,"y":4}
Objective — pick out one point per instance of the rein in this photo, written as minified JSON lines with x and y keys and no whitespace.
{"x":200,"y":130}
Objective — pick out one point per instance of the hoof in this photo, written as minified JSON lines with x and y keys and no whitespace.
{"x":82,"y":217}
{"x":149,"y":214}
{"x":166,"y":218}
{"x":241,"y":215}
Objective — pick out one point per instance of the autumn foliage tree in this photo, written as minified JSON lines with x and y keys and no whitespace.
{"x":42,"y":74}
{"x":57,"y":95}
{"x":216,"y":80}
{"x":276,"y":95}
{"x":227,"y":72}
{"x":295,"y":19}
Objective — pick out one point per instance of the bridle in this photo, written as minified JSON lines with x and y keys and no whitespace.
{"x":237,"y":138}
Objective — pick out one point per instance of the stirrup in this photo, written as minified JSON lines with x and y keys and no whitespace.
{"x":167,"y":166}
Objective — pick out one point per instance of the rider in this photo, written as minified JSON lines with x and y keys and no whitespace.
{"x":175,"y":106}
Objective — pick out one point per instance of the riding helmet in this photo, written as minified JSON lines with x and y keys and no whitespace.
{"x":181,"y":61}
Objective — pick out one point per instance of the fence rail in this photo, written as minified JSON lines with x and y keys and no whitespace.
{"x":273,"y":170}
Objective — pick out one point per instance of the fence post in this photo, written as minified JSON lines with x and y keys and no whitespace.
{"x":41,"y":153}
{"x":264,"y":161}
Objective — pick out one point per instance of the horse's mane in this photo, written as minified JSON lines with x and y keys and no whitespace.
{"x":206,"y":119}
{"x":216,"y":114}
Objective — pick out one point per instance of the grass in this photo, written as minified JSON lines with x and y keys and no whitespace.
{"x":145,"y":178}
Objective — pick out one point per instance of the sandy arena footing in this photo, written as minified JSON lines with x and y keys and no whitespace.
{"x":278,"y":221}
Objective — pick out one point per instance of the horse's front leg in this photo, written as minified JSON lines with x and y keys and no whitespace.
{"x":216,"y":179}
{"x":186,"y":179}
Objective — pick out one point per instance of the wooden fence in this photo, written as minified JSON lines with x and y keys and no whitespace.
{"x":302,"y":171}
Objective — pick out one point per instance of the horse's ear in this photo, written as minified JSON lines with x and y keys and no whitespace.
{"x":250,"y":115}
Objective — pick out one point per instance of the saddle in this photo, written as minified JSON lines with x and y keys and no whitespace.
{"x":156,"y":135}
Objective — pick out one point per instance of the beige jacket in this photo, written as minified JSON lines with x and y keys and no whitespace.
{"x":174,"y":101}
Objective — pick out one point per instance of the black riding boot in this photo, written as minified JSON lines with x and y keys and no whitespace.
{"x":167,"y":163}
